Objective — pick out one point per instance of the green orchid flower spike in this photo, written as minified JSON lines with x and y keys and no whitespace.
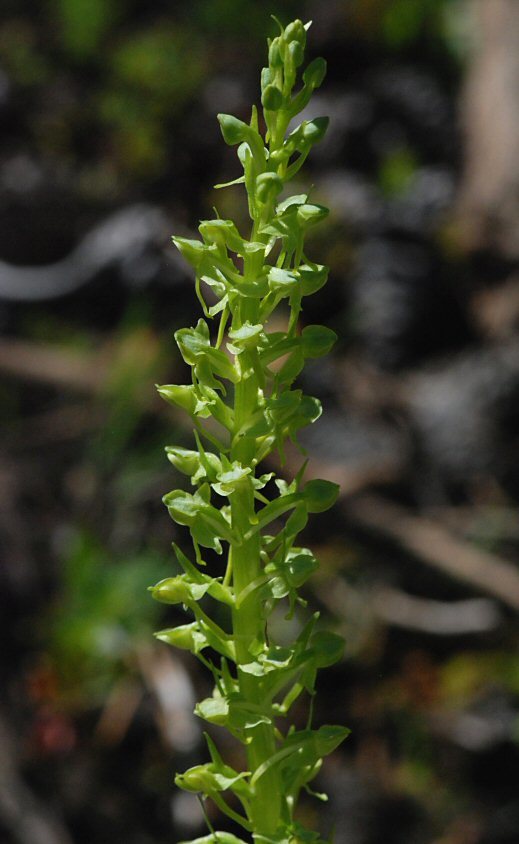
{"x":244,"y":404}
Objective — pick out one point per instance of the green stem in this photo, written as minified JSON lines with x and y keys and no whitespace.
{"x":248,"y":620}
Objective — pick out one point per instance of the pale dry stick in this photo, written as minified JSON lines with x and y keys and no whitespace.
{"x":55,"y":366}
{"x":126,"y":234}
{"x":432,"y":544}
{"x":427,"y":541}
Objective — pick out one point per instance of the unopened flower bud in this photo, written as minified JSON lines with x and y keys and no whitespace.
{"x":314,"y":130}
{"x":234,"y":131}
{"x":320,"y":495}
{"x":181,"y":395}
{"x":275,"y":58}
{"x":266,"y":77}
{"x":171,"y":590}
{"x":296,"y":52}
{"x":192,"y":250}
{"x":296,"y":31}
{"x":182,"y":637}
{"x":196,"y":779}
{"x":315,"y":72}
{"x":185,"y":460}
{"x":272,"y":98}
{"x":268,"y":186}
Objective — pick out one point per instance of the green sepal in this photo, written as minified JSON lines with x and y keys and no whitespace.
{"x":275,"y":57}
{"x":234,"y":477}
{"x":296,"y":199}
{"x":185,"y":460}
{"x":291,"y":573}
{"x":181,"y":395}
{"x":309,"y":411}
{"x":192,"y":463}
{"x":314,"y":74}
{"x":308,"y":133}
{"x":313,"y":77}
{"x":215,"y":777}
{"x":268,"y":186}
{"x":320,"y":495}
{"x":310,"y":214}
{"x":215,"y":710}
{"x":317,"y":340}
{"x":282,"y":409}
{"x":214,"y":587}
{"x":235,"y":131}
{"x":295,"y":54}
{"x":271,"y":97}
{"x":281,"y":417}
{"x":196,"y":636}
{"x":303,"y":749}
{"x":265,"y":77}
{"x":196,"y":512}
{"x":198,"y":401}
{"x":195,"y":345}
{"x":222,"y":233}
{"x":296,"y":31}
{"x":274,"y":345}
{"x":282,"y":280}
{"x":194,"y":251}
{"x":312,"y":278}
{"x":247,"y":336}
{"x":232,"y":712}
{"x":186,"y":637}
{"x":253,"y":289}
{"x":327,"y":648}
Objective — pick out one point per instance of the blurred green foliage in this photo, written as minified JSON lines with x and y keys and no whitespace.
{"x":82,"y":24}
{"x":25,"y":62}
{"x":102,"y":612}
{"x":150,"y":76}
{"x":396,"y":171}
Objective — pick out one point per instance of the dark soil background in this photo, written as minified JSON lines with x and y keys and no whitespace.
{"x":108,"y":144}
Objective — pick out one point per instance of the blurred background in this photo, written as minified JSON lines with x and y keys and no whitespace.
{"x":109,"y":143}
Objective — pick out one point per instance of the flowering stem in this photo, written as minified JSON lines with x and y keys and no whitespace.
{"x":252,"y":398}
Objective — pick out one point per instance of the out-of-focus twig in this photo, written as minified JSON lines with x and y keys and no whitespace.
{"x":441,"y":618}
{"x":433,"y":544}
{"x":120,"y":237}
{"x":55,"y":366}
{"x":26,"y":818}
{"x":118,"y":711}
{"x":60,"y":424}
{"x":399,"y":609}
{"x":171,"y":686}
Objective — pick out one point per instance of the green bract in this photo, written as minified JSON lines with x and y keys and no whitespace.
{"x":244,"y":405}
